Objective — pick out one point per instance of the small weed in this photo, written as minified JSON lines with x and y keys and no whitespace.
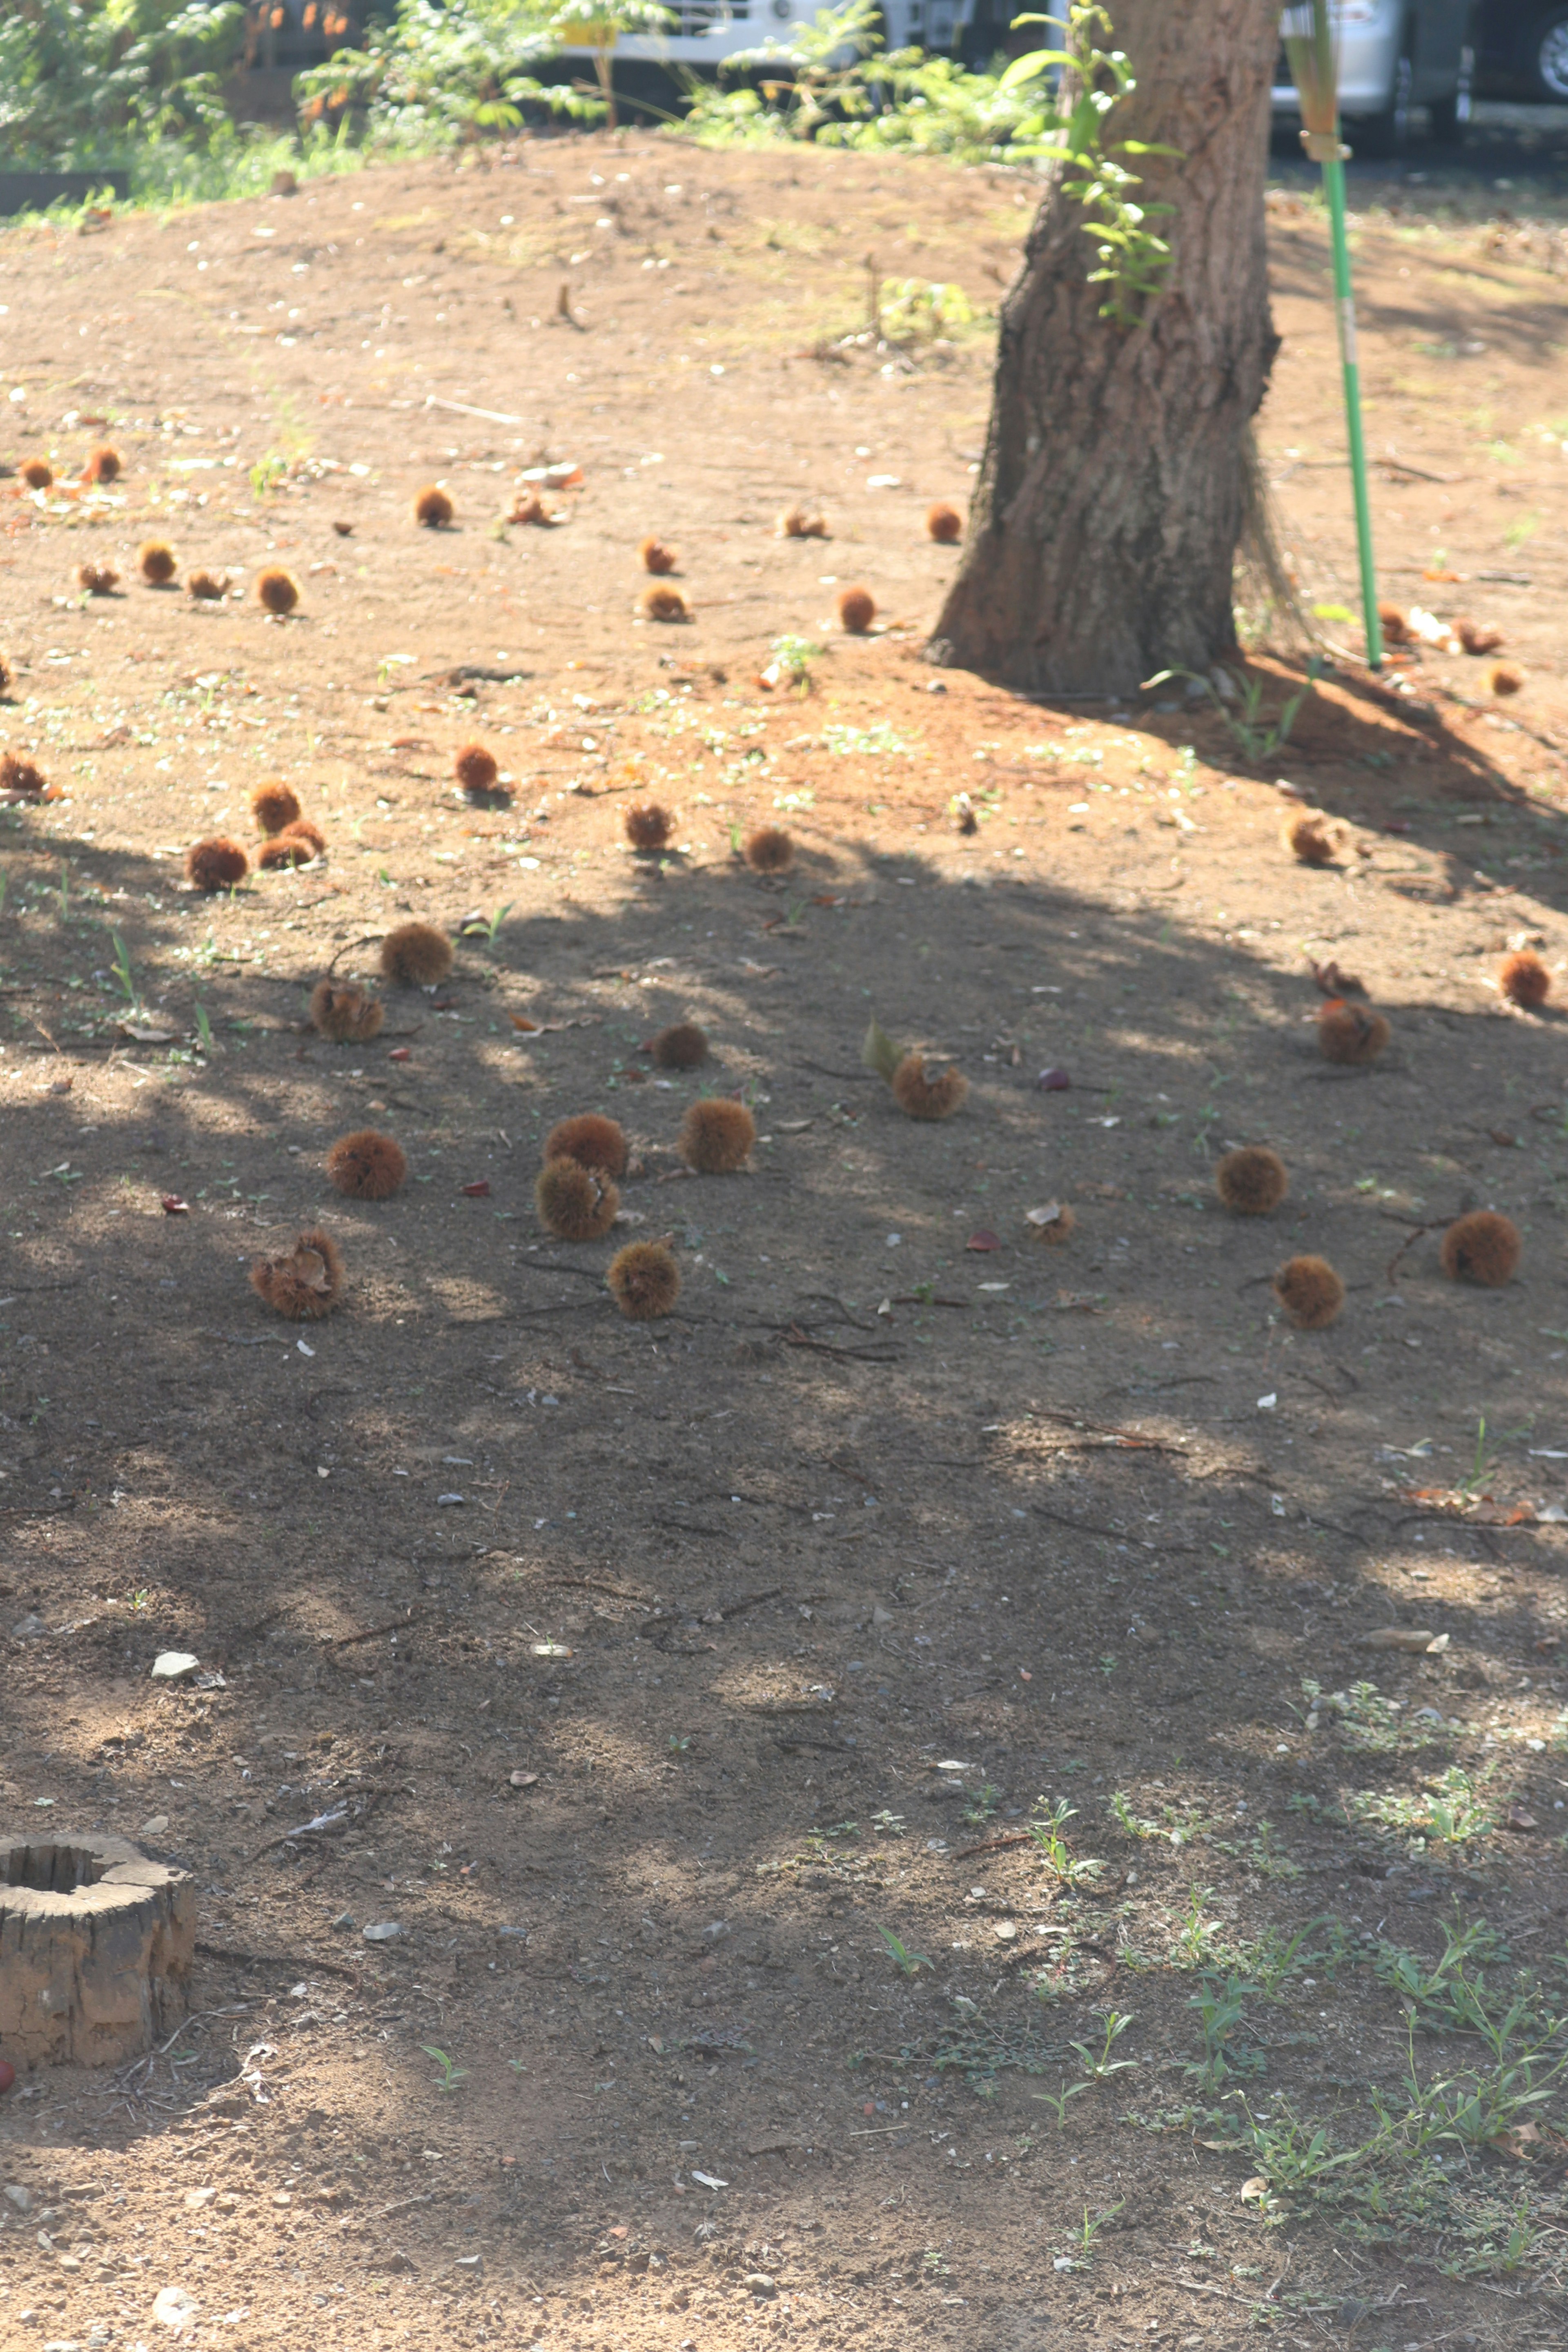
{"x":983,"y":1809}
{"x":890,"y":1824}
{"x":1452,"y":1811}
{"x":1131,"y":1824}
{"x":1221,"y":2008}
{"x":451,"y":2073}
{"x":205,"y":1031}
{"x":124,"y":979}
{"x":1047,"y":1834}
{"x":487,"y":927}
{"x":1084,"y":2239}
{"x":908,"y":1963}
{"x":1099,"y":2065}
{"x":1056,"y":2100}
{"x":679,"y":1744}
{"x":1256,"y":738}
{"x":268,"y":473}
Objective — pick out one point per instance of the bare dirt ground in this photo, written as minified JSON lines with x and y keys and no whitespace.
{"x":659,"y":1669}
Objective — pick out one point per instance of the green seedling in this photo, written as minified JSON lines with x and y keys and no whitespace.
{"x":205,"y":1030}
{"x":1099,"y":2065}
{"x":985,"y":1806}
{"x":1047,"y":1834}
{"x":908,"y":1963}
{"x":451,"y":2073}
{"x":1057,"y":2100}
{"x":487,"y":927}
{"x":124,"y":979}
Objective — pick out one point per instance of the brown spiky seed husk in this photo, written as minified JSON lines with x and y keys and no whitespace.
{"x":1058,"y":1231}
{"x":648,"y":826}
{"x":278,"y":590}
{"x":656,"y":556}
{"x":922,"y":1095}
{"x":857,"y":610}
{"x":303,"y":1283}
{"x":1505,"y":680}
{"x":589,"y":1139}
{"x":433,"y":508}
{"x":298,"y":844}
{"x":717,"y":1136}
{"x":1396,"y":628}
{"x":680,"y":1047}
{"x":103,"y":466}
{"x":216,"y":864}
{"x":799,"y":522}
{"x":207,"y":587}
{"x":1348,"y":1034}
{"x":21,"y":776}
{"x":367,"y":1165}
{"x":476,"y":768}
{"x":944,"y":523}
{"x":1307,"y":838}
{"x":283,"y":852}
{"x":663,"y":603}
{"x":274,"y":804}
{"x":345,"y":1013}
{"x":97,"y":579}
{"x":529,"y":507}
{"x":416,"y":955}
{"x":1482,"y":1247}
{"x":1524,"y":980}
{"x":155,"y":562}
{"x":1252,"y":1181}
{"x":575,"y":1203}
{"x":37,"y":473}
{"x":1310,"y":1292}
{"x":1478,"y":639}
{"x":643,"y":1281}
{"x":768,"y":850}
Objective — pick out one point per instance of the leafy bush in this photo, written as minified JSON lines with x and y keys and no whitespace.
{"x":84,"y":82}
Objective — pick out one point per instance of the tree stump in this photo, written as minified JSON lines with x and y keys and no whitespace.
{"x":96,"y":1949}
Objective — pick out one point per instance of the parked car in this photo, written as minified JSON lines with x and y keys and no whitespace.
{"x":1521,"y":49}
{"x":1396,"y":56}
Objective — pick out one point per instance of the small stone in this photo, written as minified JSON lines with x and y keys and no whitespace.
{"x":344,"y":1919}
{"x":761,"y":2285}
{"x":21,"y":2198}
{"x":522,"y":1779}
{"x":1005,"y":1931}
{"x":153,"y":1826}
{"x":172,"y":2307}
{"x":197,"y":2198}
{"x":386,"y":1931}
{"x":173,"y":1666}
{"x":28,"y":1628}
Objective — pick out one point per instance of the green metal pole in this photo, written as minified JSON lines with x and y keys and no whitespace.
{"x":1344,"y":306}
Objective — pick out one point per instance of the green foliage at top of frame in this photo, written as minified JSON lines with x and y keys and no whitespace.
{"x":84,"y":81}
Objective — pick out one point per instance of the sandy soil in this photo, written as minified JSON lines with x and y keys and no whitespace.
{"x":662,"y":1668}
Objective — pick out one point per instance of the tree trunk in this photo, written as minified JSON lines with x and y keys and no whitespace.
{"x":1110,"y":502}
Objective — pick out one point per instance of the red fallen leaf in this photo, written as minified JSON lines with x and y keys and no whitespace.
{"x":173,"y":1206}
{"x":8,"y":2075}
{"x":1395,"y":824}
{"x":443,"y":1004}
{"x":401,"y":1054}
{"x":620,"y":2232}
{"x":479,"y":1191}
{"x":1024,"y":1676}
{"x":982,"y":1240}
{"x":519,"y":1021}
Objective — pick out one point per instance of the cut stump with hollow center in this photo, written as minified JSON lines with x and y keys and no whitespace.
{"x":96,"y":1948}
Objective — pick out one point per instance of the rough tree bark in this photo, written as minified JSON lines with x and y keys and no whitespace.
{"x":1110,"y":502}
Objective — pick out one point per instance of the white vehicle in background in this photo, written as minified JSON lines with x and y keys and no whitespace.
{"x":1396,"y":56}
